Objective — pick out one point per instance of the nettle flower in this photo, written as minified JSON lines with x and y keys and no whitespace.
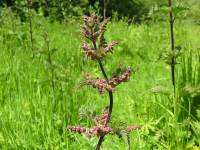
{"x":98,"y":130}
{"x":89,"y":51}
{"x":89,"y":132}
{"x":92,"y":53}
{"x":101,"y":127}
{"x":103,"y":85}
{"x":94,"y":30}
{"x":100,"y":84}
{"x":123,"y":77}
{"x":102,"y":120}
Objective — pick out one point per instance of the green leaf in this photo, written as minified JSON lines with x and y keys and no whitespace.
{"x":179,"y":8}
{"x":175,"y":9}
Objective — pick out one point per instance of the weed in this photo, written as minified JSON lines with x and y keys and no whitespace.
{"x":93,"y":30}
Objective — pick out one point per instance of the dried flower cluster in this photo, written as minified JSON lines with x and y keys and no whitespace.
{"x":103,"y":85}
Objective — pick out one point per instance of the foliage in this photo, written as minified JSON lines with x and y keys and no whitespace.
{"x":133,"y":10}
{"x":28,"y":119}
{"x":96,"y":48}
{"x":190,"y":84}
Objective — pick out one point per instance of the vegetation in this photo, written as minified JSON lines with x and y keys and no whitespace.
{"x":94,"y":30}
{"x":42,"y":68}
{"x":65,"y":10}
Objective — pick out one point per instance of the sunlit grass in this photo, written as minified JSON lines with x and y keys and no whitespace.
{"x":27,"y":117}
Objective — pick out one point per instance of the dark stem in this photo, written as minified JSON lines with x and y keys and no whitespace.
{"x":30,"y":27}
{"x":110,"y":97}
{"x":99,"y":143}
{"x":49,"y":59}
{"x":103,"y":70}
{"x":52,"y":71}
{"x":104,"y":9}
{"x":129,"y":142}
{"x":172,"y":44}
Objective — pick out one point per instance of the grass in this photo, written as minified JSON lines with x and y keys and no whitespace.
{"x":28,"y":119}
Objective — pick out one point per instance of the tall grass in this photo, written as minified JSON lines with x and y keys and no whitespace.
{"x":190,"y":84}
{"x":27,"y":119}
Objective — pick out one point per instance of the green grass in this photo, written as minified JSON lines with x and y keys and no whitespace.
{"x":28,"y":117}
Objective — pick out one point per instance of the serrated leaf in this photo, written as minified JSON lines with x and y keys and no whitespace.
{"x":179,"y":8}
{"x":164,"y":9}
{"x":175,"y":9}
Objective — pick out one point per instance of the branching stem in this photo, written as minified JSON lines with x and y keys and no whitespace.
{"x":110,"y":97}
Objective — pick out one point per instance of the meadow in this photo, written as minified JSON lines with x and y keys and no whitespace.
{"x":38,"y":99}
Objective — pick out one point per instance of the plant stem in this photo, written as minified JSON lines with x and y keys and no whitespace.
{"x":52,"y":70}
{"x":110,"y":98}
{"x":100,"y":142}
{"x":129,"y":142}
{"x":49,"y":59}
{"x":102,"y":70}
{"x":104,"y":9}
{"x":30,"y":27}
{"x":172,"y":44}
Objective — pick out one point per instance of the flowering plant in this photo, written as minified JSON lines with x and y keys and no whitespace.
{"x":96,"y":49}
